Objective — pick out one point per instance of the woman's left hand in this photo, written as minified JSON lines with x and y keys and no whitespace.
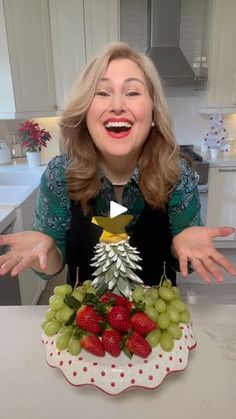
{"x":195,"y":245}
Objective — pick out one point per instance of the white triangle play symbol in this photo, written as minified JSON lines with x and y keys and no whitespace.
{"x":116,"y":209}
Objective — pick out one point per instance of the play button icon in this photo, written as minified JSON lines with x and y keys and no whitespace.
{"x":116,"y":209}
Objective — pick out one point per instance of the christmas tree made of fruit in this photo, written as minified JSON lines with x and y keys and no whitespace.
{"x":115,"y":311}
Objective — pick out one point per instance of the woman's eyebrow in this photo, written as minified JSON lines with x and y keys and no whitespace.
{"x":130,"y":79}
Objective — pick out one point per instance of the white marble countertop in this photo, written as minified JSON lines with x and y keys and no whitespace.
{"x":226,"y":159}
{"x":205,"y":389}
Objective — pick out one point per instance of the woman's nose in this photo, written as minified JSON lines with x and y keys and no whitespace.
{"x":117,"y":103}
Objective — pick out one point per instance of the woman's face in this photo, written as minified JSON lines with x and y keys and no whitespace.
{"x":120,"y":116}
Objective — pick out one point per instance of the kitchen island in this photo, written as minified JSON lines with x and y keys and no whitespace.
{"x":205,"y":389}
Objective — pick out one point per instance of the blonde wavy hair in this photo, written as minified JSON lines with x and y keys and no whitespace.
{"x":158,"y":163}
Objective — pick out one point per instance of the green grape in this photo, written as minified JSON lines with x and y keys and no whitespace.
{"x":56,"y":302}
{"x":173,"y":314}
{"x":160,"y":305}
{"x":163,"y":320}
{"x":138,"y":294}
{"x":176,"y":292}
{"x":63,"y":289}
{"x":64,"y":314}
{"x":166,"y":342}
{"x":52,"y":327}
{"x":74,"y":346}
{"x":91,"y":290}
{"x":185,"y":317}
{"x":175,"y":331}
{"x":152,"y":313}
{"x":152,"y":293}
{"x":88,"y":283}
{"x":166,"y":283}
{"x":44,"y":322}
{"x":179,"y":305}
{"x":166,"y":293}
{"x":154,"y":337}
{"x":50,"y":314}
{"x":148,"y":301}
{"x":78,"y":295}
{"x":62,"y":340}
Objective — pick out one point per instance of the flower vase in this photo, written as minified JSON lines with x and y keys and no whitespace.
{"x":33,"y":158}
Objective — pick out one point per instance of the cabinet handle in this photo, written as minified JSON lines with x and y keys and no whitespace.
{"x":227,"y":170}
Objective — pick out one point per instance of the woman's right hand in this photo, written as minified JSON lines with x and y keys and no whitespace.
{"x":29,"y":249}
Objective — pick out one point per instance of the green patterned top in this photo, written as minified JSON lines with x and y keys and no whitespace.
{"x":53,"y":208}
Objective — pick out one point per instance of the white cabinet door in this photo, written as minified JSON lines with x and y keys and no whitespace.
{"x":29,"y":48}
{"x":68,"y":43}
{"x":7,"y":102}
{"x":101,"y":24}
{"x":221,"y":209}
{"x":222,"y":71}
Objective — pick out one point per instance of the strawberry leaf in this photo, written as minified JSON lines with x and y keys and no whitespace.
{"x":72,"y":302}
{"x":127,"y":352}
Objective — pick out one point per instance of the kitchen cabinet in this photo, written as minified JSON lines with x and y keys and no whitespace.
{"x":221,"y":92}
{"x":221,"y":208}
{"x":79,"y":28}
{"x":27,"y":76}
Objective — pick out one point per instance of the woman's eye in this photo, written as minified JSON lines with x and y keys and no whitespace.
{"x":132,"y":93}
{"x":102,"y":93}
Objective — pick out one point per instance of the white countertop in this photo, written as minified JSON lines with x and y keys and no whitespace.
{"x":7,"y":216}
{"x":226,"y":159}
{"x":205,"y":389}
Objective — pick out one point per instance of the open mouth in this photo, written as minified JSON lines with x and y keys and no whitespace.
{"x":118,"y":127}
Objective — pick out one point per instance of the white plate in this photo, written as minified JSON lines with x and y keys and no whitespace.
{"x":115,"y":375}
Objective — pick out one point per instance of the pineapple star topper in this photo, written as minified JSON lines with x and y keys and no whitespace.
{"x":114,"y":258}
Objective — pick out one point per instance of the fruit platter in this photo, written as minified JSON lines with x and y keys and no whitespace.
{"x":113,"y":332}
{"x":125,"y":346}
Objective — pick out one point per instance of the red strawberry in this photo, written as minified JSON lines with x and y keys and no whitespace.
{"x":142,"y":323}
{"x":117,"y":300}
{"x":118,"y":318}
{"x":111,"y":340}
{"x":88,"y":319}
{"x":92,"y":344}
{"x":137,"y":345}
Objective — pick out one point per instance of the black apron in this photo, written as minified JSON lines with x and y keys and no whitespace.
{"x":150,"y":234}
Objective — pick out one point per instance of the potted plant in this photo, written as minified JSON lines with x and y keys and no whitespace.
{"x":32,"y":139}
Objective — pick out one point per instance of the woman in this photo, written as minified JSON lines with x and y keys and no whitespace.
{"x":119,"y":146}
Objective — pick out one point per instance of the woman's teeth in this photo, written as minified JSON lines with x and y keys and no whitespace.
{"x":118,"y":126}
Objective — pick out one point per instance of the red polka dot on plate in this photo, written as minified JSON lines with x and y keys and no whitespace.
{"x":170,"y":358}
{"x":160,"y":355}
{"x":167,"y":369}
{"x":140,"y":371}
{"x":80,"y":358}
{"x":85,"y":369}
{"x":113,"y":384}
{"x":103,"y":373}
{"x":52,"y":342}
{"x":95,"y":363}
{"x":157,"y":367}
{"x":92,"y":380}
{"x":113,"y":365}
{"x":74,"y":373}
{"x":150,"y":377}
{"x":180,"y":360}
{"x":69,"y":362}
{"x":59,"y":353}
{"x":130,"y":365}
{"x":51,"y":354}
{"x":132,"y":381}
{"x":122,"y":374}
{"x":145,"y":361}
{"x":180,"y":347}
{"x":61,"y":363}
